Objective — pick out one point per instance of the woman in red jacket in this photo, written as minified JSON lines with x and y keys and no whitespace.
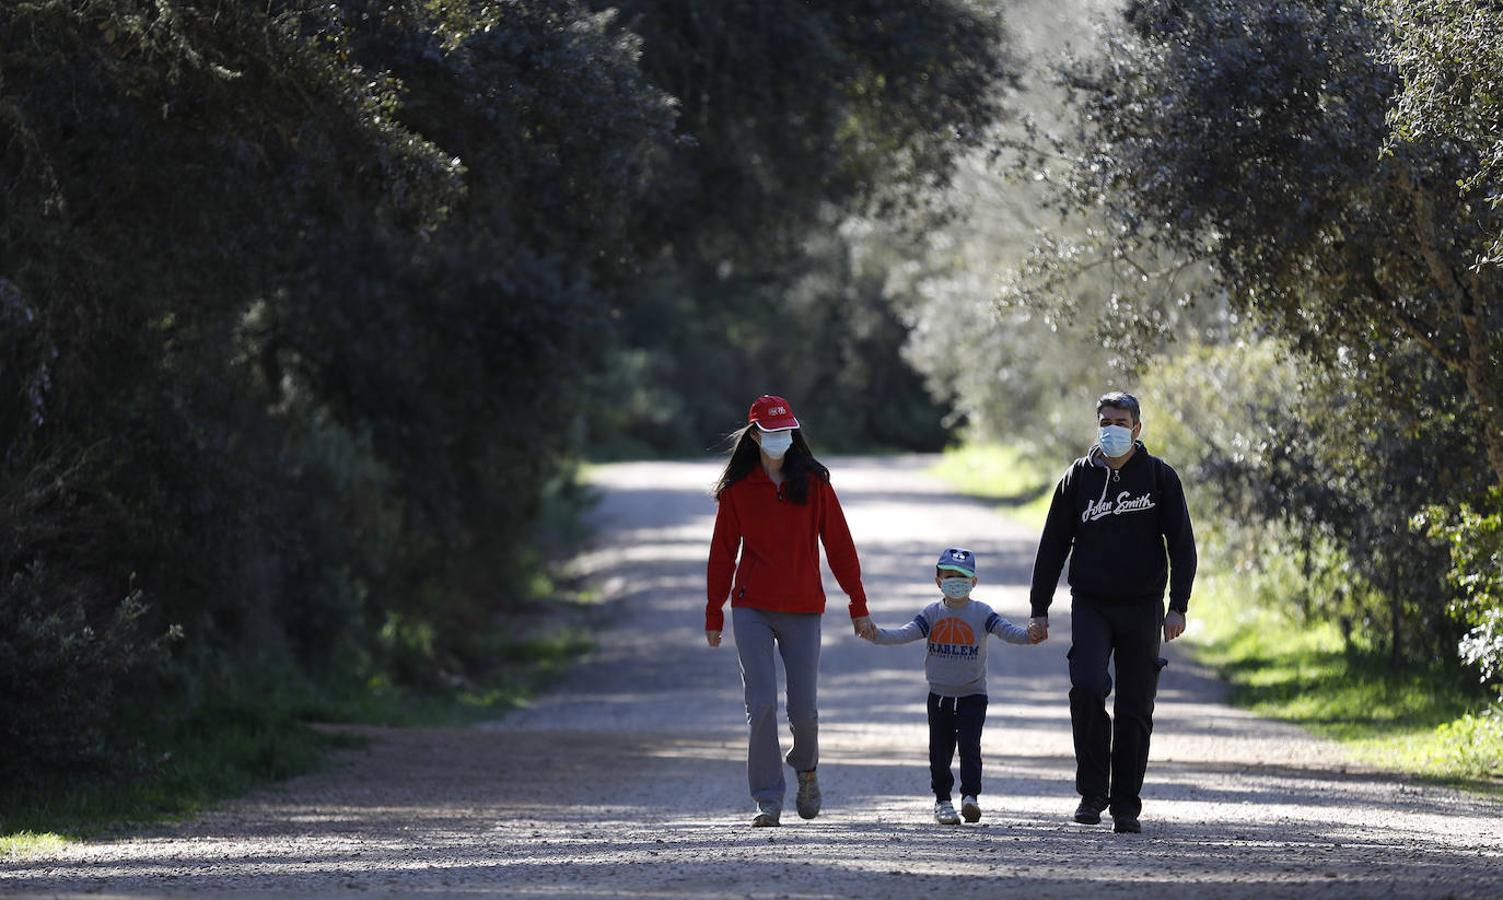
{"x":775,"y":505}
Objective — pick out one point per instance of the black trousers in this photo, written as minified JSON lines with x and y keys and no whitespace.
{"x":955,"y":721}
{"x":1111,"y":757}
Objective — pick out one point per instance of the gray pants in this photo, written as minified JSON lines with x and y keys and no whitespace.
{"x":797,"y":638}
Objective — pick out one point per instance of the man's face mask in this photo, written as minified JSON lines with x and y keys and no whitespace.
{"x":1115,"y":440}
{"x":776,"y":443}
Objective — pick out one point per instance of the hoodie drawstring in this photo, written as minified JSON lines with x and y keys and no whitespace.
{"x":1111,"y":473}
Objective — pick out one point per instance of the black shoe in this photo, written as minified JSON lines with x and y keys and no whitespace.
{"x":808,"y":795}
{"x":1089,"y":811}
{"x":1125,"y":824}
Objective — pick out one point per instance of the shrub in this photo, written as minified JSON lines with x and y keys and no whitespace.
{"x":60,"y":668}
{"x":1475,"y":539}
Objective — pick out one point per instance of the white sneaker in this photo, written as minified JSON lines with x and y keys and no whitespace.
{"x":970,"y":808}
{"x":944,"y":813}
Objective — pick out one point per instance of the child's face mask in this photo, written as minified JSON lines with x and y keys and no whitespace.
{"x":956,"y":588}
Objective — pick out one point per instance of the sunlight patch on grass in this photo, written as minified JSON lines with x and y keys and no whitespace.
{"x":1431,"y":722}
{"x":1020,"y":482}
{"x":29,"y":843}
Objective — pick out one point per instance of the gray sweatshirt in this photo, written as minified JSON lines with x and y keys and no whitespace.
{"x":956,"y":663}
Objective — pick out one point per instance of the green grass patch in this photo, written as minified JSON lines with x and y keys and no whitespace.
{"x":1432,"y":721}
{"x":168,"y":765}
{"x":218,"y":737}
{"x":1019,"y":481}
{"x":27,"y":843}
{"x":523,"y":667}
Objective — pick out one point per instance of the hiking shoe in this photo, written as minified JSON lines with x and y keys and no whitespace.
{"x":944,"y":813}
{"x":767,"y":816}
{"x":808,"y":795}
{"x":970,"y":808}
{"x":1089,"y":811}
{"x":1125,"y":824}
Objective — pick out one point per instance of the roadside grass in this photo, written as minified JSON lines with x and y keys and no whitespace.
{"x":222,"y":729}
{"x":523,"y":667}
{"x":27,"y":843}
{"x":252,"y":725}
{"x":1433,"y":722}
{"x":1019,"y":482}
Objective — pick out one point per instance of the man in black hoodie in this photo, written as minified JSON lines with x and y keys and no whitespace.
{"x":1119,"y":514}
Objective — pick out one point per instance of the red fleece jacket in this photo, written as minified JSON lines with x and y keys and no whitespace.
{"x":778,"y":540}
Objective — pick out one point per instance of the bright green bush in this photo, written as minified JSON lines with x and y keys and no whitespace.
{"x":1475,"y":539}
{"x":1471,"y":746}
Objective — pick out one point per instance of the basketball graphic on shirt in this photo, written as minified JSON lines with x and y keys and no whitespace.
{"x":952,"y":631}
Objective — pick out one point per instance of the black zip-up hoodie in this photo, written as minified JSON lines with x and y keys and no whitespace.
{"x":1125,"y":530}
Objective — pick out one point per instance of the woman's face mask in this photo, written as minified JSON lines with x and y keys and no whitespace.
{"x":776,"y":443}
{"x":1115,"y":440}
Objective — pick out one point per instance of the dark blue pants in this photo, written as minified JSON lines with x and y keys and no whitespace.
{"x":1111,"y":757}
{"x":955,"y":721}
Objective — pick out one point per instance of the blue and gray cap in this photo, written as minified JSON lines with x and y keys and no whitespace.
{"x":958,"y":560}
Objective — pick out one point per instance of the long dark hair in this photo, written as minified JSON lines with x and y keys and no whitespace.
{"x":798,"y":464}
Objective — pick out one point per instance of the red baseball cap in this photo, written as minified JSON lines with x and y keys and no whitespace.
{"x":771,"y":414}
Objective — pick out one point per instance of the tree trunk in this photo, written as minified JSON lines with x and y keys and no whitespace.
{"x":1474,"y":360}
{"x":1481,"y":387}
{"x":1396,"y":611}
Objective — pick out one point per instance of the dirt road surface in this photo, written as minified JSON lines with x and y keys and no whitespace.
{"x":628,"y":778}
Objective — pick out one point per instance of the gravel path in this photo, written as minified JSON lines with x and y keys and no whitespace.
{"x":628,"y":779}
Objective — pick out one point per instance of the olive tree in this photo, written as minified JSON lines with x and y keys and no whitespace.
{"x":1254,"y":136}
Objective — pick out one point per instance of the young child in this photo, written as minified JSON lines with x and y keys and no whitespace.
{"x":956,"y":628}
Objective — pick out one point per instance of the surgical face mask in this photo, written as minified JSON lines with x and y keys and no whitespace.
{"x":1115,"y":440}
{"x":955,"y":588}
{"x":776,"y":443}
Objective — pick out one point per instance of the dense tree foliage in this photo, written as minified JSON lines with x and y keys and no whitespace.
{"x":1254,"y":139}
{"x":273,"y":337}
{"x":1253,"y":135}
{"x":1450,"y":62}
{"x":303,"y":305}
{"x":1010,"y":369}
{"x":1289,"y":480}
{"x":795,"y":117}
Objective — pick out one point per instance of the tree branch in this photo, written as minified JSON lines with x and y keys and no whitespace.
{"x":1411,"y":325}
